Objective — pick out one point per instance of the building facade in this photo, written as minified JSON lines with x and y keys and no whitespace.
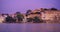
{"x":49,"y":16}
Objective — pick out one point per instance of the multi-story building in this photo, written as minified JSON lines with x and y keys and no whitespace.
{"x":49,"y":16}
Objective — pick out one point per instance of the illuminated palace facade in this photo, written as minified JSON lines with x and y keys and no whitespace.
{"x":49,"y":16}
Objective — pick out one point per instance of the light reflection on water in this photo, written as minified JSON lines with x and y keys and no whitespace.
{"x":29,"y":27}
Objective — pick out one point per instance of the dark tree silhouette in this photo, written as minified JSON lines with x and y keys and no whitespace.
{"x":37,"y":20}
{"x":53,"y":9}
{"x":46,"y":9}
{"x":19,"y":16}
{"x":29,"y":19}
{"x":28,"y":12}
{"x":9,"y":19}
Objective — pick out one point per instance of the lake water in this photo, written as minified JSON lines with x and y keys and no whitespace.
{"x":29,"y":27}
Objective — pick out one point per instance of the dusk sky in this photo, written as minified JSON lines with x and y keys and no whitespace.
{"x":12,"y":6}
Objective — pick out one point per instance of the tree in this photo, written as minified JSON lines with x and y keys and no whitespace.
{"x":29,"y":19}
{"x":37,"y":20}
{"x":28,"y":12}
{"x":46,"y":9}
{"x":19,"y":16}
{"x":53,"y":9}
{"x":9,"y":19}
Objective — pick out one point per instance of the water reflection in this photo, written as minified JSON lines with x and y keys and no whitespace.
{"x":29,"y":27}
